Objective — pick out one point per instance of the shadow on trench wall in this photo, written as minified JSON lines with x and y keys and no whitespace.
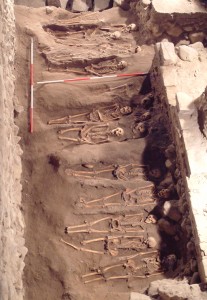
{"x":158,"y":139}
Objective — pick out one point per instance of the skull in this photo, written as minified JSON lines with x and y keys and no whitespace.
{"x":151,"y":242}
{"x":164,"y":193}
{"x":177,"y":173}
{"x":169,"y":262}
{"x":117,"y":131}
{"x":125,"y":110}
{"x":145,"y":116}
{"x":138,"y":49}
{"x":122,"y":64}
{"x":132,"y":27}
{"x":116,"y":35}
{"x":156,"y":173}
{"x":151,"y":219}
{"x":141,"y":127}
{"x":147,"y":101}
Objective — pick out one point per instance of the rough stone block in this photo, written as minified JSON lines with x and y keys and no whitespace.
{"x":173,"y":30}
{"x":101,"y":4}
{"x":196,"y":37}
{"x":81,"y":5}
{"x":177,"y":6}
{"x":124,"y":4}
{"x":63,"y":3}
{"x":156,"y":30}
{"x":153,"y":287}
{"x":167,"y":53}
{"x":179,"y":292}
{"x":202,"y":266}
{"x":55,"y":3}
{"x":157,"y":48}
{"x":185,"y":102}
{"x":187,"y":53}
{"x":146,"y":2}
{"x":138,"y":296}
{"x":198,"y":46}
{"x":171,"y":96}
{"x":169,"y":76}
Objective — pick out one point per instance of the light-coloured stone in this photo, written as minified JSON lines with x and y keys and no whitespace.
{"x":81,"y":5}
{"x":63,"y":3}
{"x":196,"y":37}
{"x":171,"y":211}
{"x":167,"y":53}
{"x":101,"y":4}
{"x":19,"y":109}
{"x":49,"y":10}
{"x":168,"y":164}
{"x":146,"y":2}
{"x":184,"y":101}
{"x":187,"y":53}
{"x":179,"y":292}
{"x":171,"y":92}
{"x":169,"y":76}
{"x":177,"y":6}
{"x":138,"y":296}
{"x":154,"y":286}
{"x":198,"y":46}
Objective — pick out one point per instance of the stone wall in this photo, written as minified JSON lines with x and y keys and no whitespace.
{"x":178,"y":20}
{"x":77,"y":5}
{"x":179,"y":80}
{"x":201,"y":105}
{"x":12,"y":250}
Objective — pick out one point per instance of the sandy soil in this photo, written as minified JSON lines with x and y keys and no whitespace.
{"x":63,"y":180}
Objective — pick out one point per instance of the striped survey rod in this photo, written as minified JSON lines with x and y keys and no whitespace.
{"x":31,"y":85}
{"x":91,"y":78}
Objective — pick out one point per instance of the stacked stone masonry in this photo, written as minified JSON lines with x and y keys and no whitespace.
{"x":12,"y":249}
{"x":180,"y":21}
{"x":76,"y":5}
{"x":182,"y":92}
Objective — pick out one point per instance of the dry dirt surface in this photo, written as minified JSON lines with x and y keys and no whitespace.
{"x":90,"y":191}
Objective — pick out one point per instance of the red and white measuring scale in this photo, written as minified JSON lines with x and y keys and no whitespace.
{"x":31,"y":85}
{"x":92,"y":78}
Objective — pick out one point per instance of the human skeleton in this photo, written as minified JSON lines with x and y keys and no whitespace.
{"x":92,"y":134}
{"x":130,"y":197}
{"x":127,"y":172}
{"x":102,"y":114}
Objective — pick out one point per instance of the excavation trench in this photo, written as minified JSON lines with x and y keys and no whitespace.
{"x":96,"y":188}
